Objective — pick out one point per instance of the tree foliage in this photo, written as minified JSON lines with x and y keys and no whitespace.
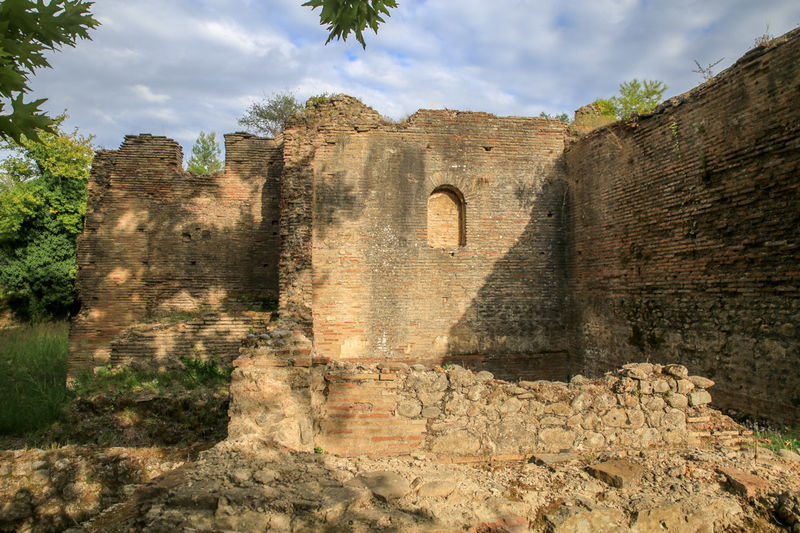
{"x":267,"y":117}
{"x":344,"y":17}
{"x":563,"y":117}
{"x":42,"y":205}
{"x":634,"y":98}
{"x":206,"y":155}
{"x":28,"y":30}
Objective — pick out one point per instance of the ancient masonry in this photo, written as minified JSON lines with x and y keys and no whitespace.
{"x":499,"y":250}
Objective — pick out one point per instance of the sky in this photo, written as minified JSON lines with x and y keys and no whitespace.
{"x":178,"y":67}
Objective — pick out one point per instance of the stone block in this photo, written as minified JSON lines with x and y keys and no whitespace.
{"x":578,"y":519}
{"x":456,"y":443}
{"x":556,"y":439}
{"x":660,"y":386}
{"x":789,"y":455}
{"x":744,"y":483}
{"x":678,"y":371}
{"x":431,"y":411}
{"x":386,"y":486}
{"x":678,"y":401}
{"x":685,"y":386}
{"x":698,"y":398}
{"x":436,"y":489}
{"x":409,"y":408}
{"x":619,"y":473}
{"x":615,"y":418}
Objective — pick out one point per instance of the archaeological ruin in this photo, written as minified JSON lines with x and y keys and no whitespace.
{"x":388,"y":287}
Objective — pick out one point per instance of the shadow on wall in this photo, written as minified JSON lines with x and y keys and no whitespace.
{"x":516,"y":327}
{"x":158,"y":239}
{"x":164,"y":342}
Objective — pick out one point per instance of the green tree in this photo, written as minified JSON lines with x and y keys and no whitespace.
{"x":267,"y":117}
{"x":206,"y":155}
{"x":563,"y":117}
{"x":42,"y":205}
{"x":634,"y":98}
{"x":351,"y":16}
{"x":28,"y":30}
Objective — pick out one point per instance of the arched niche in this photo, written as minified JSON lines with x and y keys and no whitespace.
{"x":446,"y":218}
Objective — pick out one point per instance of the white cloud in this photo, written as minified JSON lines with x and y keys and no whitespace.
{"x":145,"y":93}
{"x":195,"y":65}
{"x":239,"y":39}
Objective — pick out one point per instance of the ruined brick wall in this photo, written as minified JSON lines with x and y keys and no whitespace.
{"x":685,"y":240}
{"x":281,"y":392}
{"x":488,"y":291}
{"x":158,"y":239}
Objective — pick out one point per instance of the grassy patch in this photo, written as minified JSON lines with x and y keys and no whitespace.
{"x":120,"y":407}
{"x":129,"y":407}
{"x":775,"y":437}
{"x":33,"y":373}
{"x":195,"y":372}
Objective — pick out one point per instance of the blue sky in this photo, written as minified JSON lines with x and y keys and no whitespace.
{"x":176,"y":67}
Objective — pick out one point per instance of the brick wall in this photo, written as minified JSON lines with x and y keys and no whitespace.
{"x":685,"y":235}
{"x":379,"y":288}
{"x":157,"y":239}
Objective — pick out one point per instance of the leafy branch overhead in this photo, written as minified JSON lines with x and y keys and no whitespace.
{"x":344,"y":17}
{"x":28,"y":30}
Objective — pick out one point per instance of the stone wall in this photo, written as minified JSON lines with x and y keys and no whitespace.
{"x":684,"y":235}
{"x":159,"y":241}
{"x":363,"y":257}
{"x":284,"y":394}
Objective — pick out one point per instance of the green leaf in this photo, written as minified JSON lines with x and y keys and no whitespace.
{"x":29,"y":30}
{"x":345,"y":17}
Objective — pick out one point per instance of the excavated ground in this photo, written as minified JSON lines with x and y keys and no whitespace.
{"x":253,"y":484}
{"x":250,"y":485}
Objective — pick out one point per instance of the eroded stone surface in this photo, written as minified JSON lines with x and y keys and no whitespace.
{"x":618,"y":473}
{"x":386,"y":485}
{"x":679,"y":491}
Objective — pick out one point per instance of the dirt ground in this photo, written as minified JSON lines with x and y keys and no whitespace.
{"x":251,"y":485}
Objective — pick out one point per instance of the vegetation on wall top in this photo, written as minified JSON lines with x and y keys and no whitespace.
{"x":634,"y":98}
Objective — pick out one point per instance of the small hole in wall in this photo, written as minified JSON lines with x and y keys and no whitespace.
{"x":488,"y":148}
{"x":206,"y":234}
{"x":186,"y":237}
{"x":550,"y":214}
{"x":192,"y":262}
